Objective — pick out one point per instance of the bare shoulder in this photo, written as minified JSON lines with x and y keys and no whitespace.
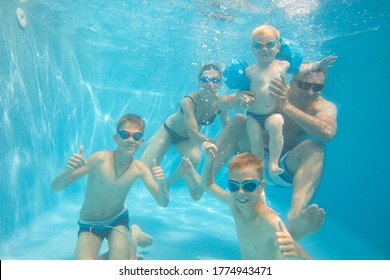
{"x":139,"y":164}
{"x":285,"y":65}
{"x":186,"y":102}
{"x":282,"y":63}
{"x":324,"y":107}
{"x":99,"y":157}
{"x":140,"y":167}
{"x":187,"y":99}
{"x":271,"y":219}
{"x":249,"y":70}
{"x":102,"y":154}
{"x":279,"y":67}
{"x":322,"y":101}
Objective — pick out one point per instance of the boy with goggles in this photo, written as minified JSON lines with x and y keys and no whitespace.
{"x":262,"y":112}
{"x":110,"y":176}
{"x":310,"y":122}
{"x":261,"y":233}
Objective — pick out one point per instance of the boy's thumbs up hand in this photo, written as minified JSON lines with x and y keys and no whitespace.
{"x":158,"y":171}
{"x":77,"y":160}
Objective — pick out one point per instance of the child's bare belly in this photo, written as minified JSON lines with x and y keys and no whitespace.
{"x":263,"y":104}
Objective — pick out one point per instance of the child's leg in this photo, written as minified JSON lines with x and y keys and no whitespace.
{"x":232,"y":138}
{"x":190,"y":176}
{"x":118,"y":243}
{"x":255,"y":134}
{"x":133,"y":245}
{"x":88,"y":246}
{"x":274,"y":125}
{"x":192,"y":152}
{"x":138,"y":238}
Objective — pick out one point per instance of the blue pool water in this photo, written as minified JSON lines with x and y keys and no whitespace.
{"x":78,"y":66}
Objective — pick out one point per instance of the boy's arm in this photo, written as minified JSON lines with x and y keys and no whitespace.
{"x":75,"y":169}
{"x":321,"y":64}
{"x":207,"y":178}
{"x":158,"y":190}
{"x":288,"y":247}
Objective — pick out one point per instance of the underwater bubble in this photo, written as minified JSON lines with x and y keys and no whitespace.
{"x":21,"y":16}
{"x":297,"y":7}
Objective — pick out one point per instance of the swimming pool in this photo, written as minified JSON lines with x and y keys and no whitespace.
{"x":76,"y":67}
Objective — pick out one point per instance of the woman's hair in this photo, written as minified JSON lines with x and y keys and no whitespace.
{"x":209,"y":66}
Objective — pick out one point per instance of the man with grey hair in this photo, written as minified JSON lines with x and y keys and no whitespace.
{"x":310,"y":120}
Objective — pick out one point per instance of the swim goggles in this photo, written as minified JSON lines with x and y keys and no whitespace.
{"x":125,"y":135}
{"x":306,"y":85}
{"x":205,"y":79}
{"x":269,"y":44}
{"x":248,"y":186}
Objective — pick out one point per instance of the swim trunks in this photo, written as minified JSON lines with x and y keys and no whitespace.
{"x":260,"y":118}
{"x":175,"y":138}
{"x":282,"y":180}
{"x":104,"y":228}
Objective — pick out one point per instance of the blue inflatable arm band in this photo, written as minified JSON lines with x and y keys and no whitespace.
{"x":292,"y":52}
{"x":234,"y":74}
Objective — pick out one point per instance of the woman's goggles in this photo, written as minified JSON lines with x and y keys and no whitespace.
{"x":125,"y":135}
{"x":205,"y":79}
{"x":248,"y":186}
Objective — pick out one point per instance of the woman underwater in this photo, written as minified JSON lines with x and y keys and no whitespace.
{"x":181,"y":129}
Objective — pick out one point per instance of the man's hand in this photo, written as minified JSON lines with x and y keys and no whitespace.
{"x":280,"y":90}
{"x":326,"y":62}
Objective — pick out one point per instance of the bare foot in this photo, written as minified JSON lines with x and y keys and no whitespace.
{"x":308,"y":221}
{"x":275,"y":169}
{"x":186,"y":167}
{"x":143,"y":240}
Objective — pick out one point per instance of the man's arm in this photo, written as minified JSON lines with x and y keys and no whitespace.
{"x":322,"y":126}
{"x":321,"y":64}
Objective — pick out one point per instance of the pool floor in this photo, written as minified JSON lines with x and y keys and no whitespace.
{"x":185,"y":230}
